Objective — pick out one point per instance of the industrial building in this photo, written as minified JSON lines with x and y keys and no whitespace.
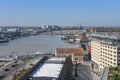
{"x":52,"y":69}
{"x":77,"y":54}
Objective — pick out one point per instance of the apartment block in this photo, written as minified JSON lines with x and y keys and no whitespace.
{"x":105,"y":49}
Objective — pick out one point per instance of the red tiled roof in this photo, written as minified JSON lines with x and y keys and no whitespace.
{"x":78,"y":54}
{"x":69,"y":50}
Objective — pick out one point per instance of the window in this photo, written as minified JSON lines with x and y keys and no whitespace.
{"x":76,"y":58}
{"x":111,"y":47}
{"x":118,"y":60}
{"x":118,"y":55}
{"x":118,"y":64}
{"x":118,"y":52}
{"x":118,"y":48}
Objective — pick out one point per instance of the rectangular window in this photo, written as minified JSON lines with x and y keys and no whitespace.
{"x":118,"y":48}
{"x":118,"y":64}
{"x":118,"y":52}
{"x":76,"y":58}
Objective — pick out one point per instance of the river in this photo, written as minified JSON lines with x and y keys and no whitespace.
{"x":32,"y":44}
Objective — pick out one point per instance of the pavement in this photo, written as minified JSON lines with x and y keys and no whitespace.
{"x":84,"y":71}
{"x":10,"y":71}
{"x":104,"y":73}
{"x":95,"y":77}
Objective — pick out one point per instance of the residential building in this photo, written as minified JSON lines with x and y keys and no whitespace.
{"x":105,"y":50}
{"x":77,"y":54}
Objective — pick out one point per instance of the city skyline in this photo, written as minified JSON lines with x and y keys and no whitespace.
{"x":62,"y":12}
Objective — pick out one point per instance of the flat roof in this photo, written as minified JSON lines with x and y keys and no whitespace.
{"x":56,"y":59}
{"x":106,"y":35}
{"x":49,"y":69}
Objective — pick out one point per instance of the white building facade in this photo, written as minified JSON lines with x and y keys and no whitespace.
{"x":105,"y":50}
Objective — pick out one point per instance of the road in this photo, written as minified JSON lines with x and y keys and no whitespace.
{"x":21,"y":64}
{"x":5,"y":73}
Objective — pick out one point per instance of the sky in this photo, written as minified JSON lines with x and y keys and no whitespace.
{"x":60,"y":12}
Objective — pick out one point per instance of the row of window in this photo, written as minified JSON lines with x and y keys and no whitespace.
{"x":118,"y":60}
{"x":106,"y":46}
{"x":107,"y":58}
{"x":108,"y":63}
{"x":107,"y":50}
{"x":118,"y":64}
{"x":96,"y":58}
{"x":108,"y":55}
{"x":118,"y":48}
{"x":110,"y":47}
{"x":118,"y":56}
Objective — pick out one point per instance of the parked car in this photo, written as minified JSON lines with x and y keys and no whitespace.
{"x":6,"y":69}
{"x":14,"y":65}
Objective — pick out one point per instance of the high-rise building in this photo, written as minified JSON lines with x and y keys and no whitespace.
{"x":105,"y":50}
